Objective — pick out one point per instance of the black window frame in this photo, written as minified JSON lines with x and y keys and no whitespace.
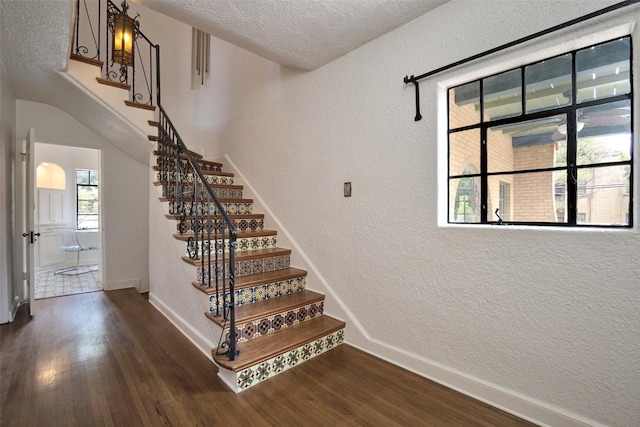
{"x":78,"y":186}
{"x":571,"y":168}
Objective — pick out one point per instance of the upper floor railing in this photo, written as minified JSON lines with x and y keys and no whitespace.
{"x":93,"y":39}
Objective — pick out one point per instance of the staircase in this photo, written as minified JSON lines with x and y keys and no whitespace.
{"x":260,"y":311}
{"x":279,"y":322}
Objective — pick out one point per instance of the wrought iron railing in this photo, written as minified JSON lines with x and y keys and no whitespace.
{"x":93,"y":32}
{"x":211,"y":234}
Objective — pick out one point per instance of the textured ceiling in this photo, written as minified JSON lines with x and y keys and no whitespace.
{"x":35,"y":40}
{"x":302,"y":34}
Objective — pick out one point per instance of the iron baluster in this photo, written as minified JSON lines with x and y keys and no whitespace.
{"x":232,"y":328}
{"x":214,"y":218}
{"x":134,"y":94}
{"x":223,"y":269}
{"x":208,"y":224}
{"x":77,"y":41}
{"x":107,"y":41}
{"x":157,"y":47}
{"x":94,"y":19}
{"x":81,"y":49}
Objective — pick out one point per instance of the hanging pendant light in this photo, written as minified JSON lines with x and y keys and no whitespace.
{"x":125,"y":31}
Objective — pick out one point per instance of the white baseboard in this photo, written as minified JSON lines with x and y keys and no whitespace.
{"x":515,"y":403}
{"x":518,"y":404}
{"x":201,"y":342}
{"x":229,"y":378}
{"x":123,"y":284}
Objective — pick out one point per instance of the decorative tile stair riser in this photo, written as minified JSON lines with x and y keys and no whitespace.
{"x":279,"y":323}
{"x":231,"y":208}
{"x":246,"y":268}
{"x":211,"y":179}
{"x":204,"y":165}
{"x":243,"y":244}
{"x":261,"y":327}
{"x":258,"y":293}
{"x":188,"y":226}
{"x":221,"y":193}
{"x":276,"y":365}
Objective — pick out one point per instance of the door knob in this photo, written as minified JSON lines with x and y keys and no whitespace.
{"x":32,"y":236}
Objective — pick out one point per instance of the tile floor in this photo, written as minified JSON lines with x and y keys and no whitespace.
{"x":48,"y":284}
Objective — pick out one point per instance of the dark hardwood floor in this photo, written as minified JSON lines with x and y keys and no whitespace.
{"x":109,"y":358}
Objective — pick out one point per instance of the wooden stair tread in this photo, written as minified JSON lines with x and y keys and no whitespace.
{"x":204,"y":172}
{"x":263,"y":348}
{"x":86,"y":60}
{"x":270,"y":307}
{"x":257,"y":279}
{"x":153,"y":123}
{"x":170,"y":199}
{"x":245,"y":255}
{"x":108,"y":82}
{"x":139,"y":105}
{"x":245,"y":234}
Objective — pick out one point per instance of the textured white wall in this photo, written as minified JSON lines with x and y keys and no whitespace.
{"x":544,"y":321}
{"x":125,"y":189}
{"x":195,"y":113}
{"x":7,"y":136}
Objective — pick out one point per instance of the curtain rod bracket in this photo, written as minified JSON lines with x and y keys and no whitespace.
{"x":413,"y":80}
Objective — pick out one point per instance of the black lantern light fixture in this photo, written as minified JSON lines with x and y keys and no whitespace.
{"x":125,"y":30}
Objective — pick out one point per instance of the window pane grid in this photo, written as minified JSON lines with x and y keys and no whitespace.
{"x":540,"y":151}
{"x":87,"y":202}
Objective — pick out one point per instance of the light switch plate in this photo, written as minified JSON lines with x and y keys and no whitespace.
{"x":347,"y":189}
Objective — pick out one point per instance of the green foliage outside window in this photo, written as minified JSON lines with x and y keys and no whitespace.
{"x":88,"y":207}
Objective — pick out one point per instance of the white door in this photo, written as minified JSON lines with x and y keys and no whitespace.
{"x":26,"y":210}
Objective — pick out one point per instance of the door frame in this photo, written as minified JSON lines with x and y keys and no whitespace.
{"x":25,"y":238}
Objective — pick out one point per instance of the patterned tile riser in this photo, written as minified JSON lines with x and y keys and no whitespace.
{"x":245,"y":268}
{"x":257,"y":293}
{"x":243,"y":244}
{"x":242,"y":225}
{"x":267,"y":325}
{"x":187,"y":191}
{"x":276,"y":365}
{"x":211,"y":179}
{"x":201,"y":208}
{"x":166,"y":150}
{"x":169,"y":161}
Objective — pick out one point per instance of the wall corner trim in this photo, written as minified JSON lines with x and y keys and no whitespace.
{"x":201,"y":342}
